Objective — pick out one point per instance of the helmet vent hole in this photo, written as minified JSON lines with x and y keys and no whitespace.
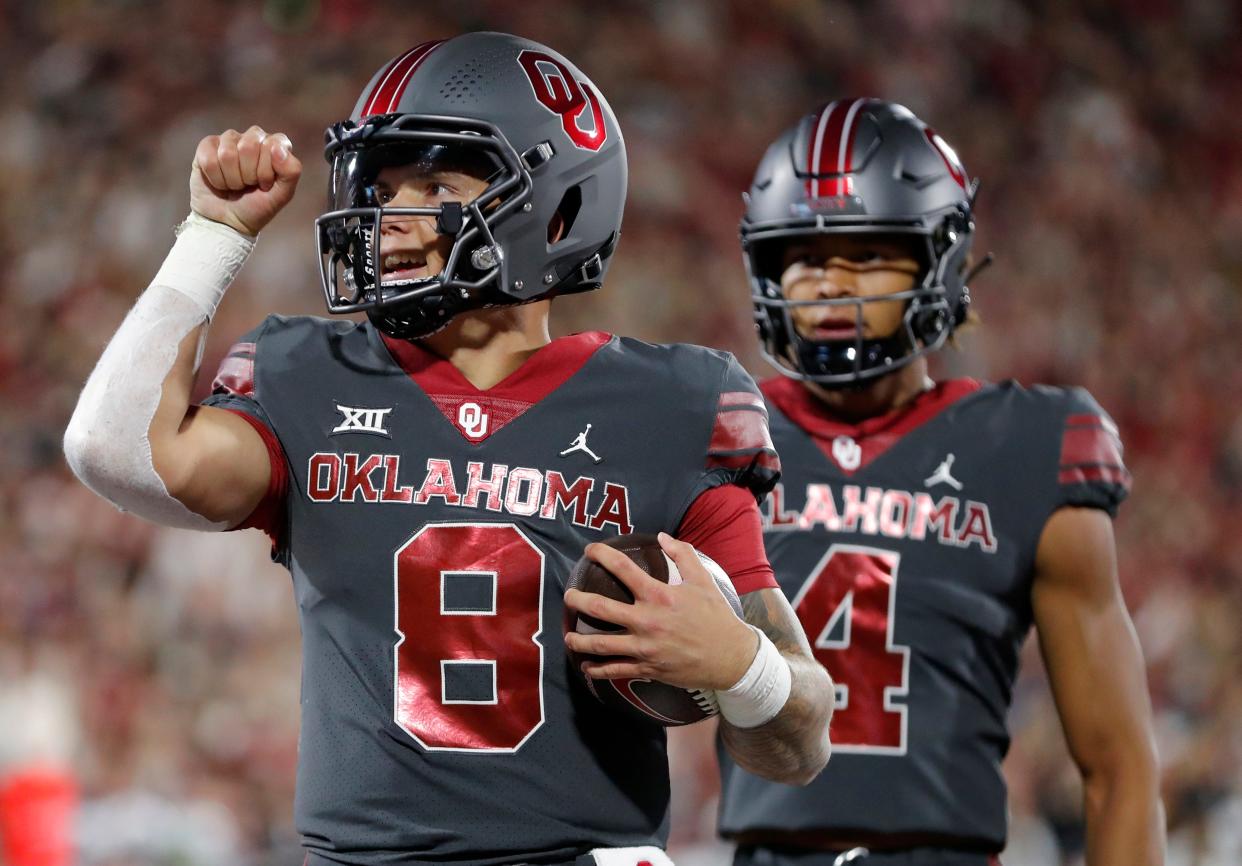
{"x":464,"y":83}
{"x":562,"y":223}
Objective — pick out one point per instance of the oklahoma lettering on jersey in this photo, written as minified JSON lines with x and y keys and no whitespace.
{"x":521,"y":491}
{"x":891,"y":513}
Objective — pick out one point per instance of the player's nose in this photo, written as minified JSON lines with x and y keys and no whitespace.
{"x":407,"y":224}
{"x":835,"y":282}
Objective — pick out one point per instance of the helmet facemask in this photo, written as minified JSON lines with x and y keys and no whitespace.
{"x":349,"y":234}
{"x":858,"y":167}
{"x":926,"y":324}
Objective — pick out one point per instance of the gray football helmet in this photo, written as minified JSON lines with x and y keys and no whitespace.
{"x":859,"y":166}
{"x":510,"y":111}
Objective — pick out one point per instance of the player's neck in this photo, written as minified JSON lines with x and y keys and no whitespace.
{"x":878,"y":397}
{"x":488,"y":345}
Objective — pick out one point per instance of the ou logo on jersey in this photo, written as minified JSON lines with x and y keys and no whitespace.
{"x":559,"y":93}
{"x":472,"y":420}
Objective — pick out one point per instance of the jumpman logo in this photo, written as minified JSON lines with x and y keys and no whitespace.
{"x":579,"y":444}
{"x":942,"y":475}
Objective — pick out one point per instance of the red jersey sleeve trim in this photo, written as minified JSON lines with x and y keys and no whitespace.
{"x":740,"y":436}
{"x":1091,"y":451}
{"x":724,"y":523}
{"x":236,"y":372}
{"x":1089,"y":445}
{"x":269,"y":514}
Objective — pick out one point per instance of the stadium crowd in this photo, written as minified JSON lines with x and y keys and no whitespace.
{"x":149,"y":677}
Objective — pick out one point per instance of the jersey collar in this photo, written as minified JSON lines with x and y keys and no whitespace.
{"x":874,"y":435}
{"x":541,"y":374}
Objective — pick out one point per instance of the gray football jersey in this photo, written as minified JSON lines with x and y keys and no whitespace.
{"x":429,"y":537}
{"x":905,"y":544}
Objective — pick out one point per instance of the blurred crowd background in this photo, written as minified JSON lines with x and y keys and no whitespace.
{"x":161,"y":667}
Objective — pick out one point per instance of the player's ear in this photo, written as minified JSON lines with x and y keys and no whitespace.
{"x":562,"y":221}
{"x":556,"y":228}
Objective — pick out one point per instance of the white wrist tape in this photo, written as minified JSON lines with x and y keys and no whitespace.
{"x":107,"y":442}
{"x":761,"y":692}
{"x":631,"y":856}
{"x":204,"y":261}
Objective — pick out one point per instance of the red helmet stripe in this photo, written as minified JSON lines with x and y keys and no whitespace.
{"x":845,"y":152}
{"x":369,"y":107}
{"x":840,"y":152}
{"x":814,"y":149}
{"x":391,"y":85}
{"x":832,"y":149}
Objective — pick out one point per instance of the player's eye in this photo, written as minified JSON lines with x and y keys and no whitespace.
{"x":379,"y":194}
{"x":438,"y":189}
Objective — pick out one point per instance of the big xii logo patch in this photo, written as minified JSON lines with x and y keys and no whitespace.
{"x":362,"y":420}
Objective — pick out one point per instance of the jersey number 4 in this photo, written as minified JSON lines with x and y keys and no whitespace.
{"x":469,"y":666}
{"x":846,"y":607}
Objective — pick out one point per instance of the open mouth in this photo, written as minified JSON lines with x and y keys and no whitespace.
{"x":835,"y":329}
{"x":403,"y":267}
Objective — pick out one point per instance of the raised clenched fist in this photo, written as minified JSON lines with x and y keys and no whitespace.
{"x":243,"y":179}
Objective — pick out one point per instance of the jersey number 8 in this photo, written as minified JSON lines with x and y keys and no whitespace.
{"x":469,"y":666}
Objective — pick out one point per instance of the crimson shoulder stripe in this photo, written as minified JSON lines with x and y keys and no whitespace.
{"x":391,"y":84}
{"x":741,"y":424}
{"x":236,"y":372}
{"x":1090,"y":446}
{"x":740,"y":435}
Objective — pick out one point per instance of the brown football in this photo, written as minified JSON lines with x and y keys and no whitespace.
{"x":652,"y":700}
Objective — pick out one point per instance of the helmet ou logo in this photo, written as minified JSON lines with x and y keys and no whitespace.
{"x":472,"y":420}
{"x":559,"y":93}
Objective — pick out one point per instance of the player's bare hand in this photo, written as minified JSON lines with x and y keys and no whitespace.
{"x":243,"y":179}
{"x":685,"y":635}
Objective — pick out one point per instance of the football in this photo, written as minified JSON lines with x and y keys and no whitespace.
{"x":652,"y":700}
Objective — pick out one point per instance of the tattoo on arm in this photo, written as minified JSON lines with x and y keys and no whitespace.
{"x":793,"y":747}
{"x":768,"y":611}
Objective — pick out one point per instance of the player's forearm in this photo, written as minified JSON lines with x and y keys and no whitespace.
{"x":793,"y":747}
{"x":130,"y":405}
{"x":1125,"y":818}
{"x":121,"y":439}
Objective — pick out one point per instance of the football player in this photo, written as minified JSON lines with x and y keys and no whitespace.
{"x":430,"y":474}
{"x":921,"y":527}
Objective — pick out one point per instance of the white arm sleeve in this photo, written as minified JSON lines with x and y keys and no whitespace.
{"x":106,"y":443}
